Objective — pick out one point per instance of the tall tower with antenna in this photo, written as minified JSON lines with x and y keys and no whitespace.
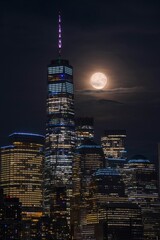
{"x":59,"y":34}
{"x":60,"y":141}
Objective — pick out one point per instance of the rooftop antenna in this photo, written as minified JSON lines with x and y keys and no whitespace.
{"x":59,"y":35}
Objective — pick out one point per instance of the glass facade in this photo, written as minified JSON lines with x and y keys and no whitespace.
{"x":60,"y":139}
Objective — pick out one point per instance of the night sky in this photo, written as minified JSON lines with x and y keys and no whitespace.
{"x":118,"y":38}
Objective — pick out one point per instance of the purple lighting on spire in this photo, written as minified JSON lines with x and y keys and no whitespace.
{"x":59,"y":35}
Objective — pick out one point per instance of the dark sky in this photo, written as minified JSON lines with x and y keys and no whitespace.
{"x":118,"y":38}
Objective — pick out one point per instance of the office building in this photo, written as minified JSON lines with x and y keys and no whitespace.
{"x":114,"y":144}
{"x":21,"y":171}
{"x":141,"y":187}
{"x":84,"y":128}
{"x":108,"y":182}
{"x":113,"y":216}
{"x":60,"y":138}
{"x":106,"y":212}
{"x":88,"y":158}
{"x":120,"y":221}
{"x":141,"y":180}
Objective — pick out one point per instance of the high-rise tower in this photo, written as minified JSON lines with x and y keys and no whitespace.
{"x":89,"y":157}
{"x":60,"y":138}
{"x":21,"y":171}
{"x":84,"y":129}
{"x":114,"y":144}
{"x":140,"y":178}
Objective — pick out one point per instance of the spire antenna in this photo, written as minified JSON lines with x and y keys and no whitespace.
{"x":59,"y":34}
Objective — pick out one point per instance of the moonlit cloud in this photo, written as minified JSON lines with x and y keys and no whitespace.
{"x":113,"y":90}
{"x":107,"y":101}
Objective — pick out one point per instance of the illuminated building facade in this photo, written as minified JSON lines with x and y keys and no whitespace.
{"x":108,"y":182}
{"x":141,"y":187}
{"x":105,"y":212}
{"x":141,"y":180}
{"x":60,"y":139}
{"x":84,"y":128}
{"x":114,"y":144}
{"x":21,"y":171}
{"x":60,"y":129}
{"x":120,"y":221}
{"x":113,"y":217}
{"x":88,"y":158}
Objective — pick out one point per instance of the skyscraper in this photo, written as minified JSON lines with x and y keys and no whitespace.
{"x":141,"y":187}
{"x":88,"y":158}
{"x":113,"y":216}
{"x":141,"y":180}
{"x":84,"y":129}
{"x":60,"y":139}
{"x":114,"y":144}
{"x":21,"y":171}
{"x":118,"y":220}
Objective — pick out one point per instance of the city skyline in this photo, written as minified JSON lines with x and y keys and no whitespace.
{"x":71,"y":186}
{"x":124,"y":44}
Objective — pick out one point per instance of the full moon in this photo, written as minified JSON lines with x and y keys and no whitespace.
{"x":98,"y":80}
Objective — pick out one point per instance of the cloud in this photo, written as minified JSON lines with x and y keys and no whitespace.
{"x":110,"y":91}
{"x":126,"y":90}
{"x":107,"y":101}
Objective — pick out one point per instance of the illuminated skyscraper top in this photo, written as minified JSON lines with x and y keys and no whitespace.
{"x":60,"y":138}
{"x":59,"y":35}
